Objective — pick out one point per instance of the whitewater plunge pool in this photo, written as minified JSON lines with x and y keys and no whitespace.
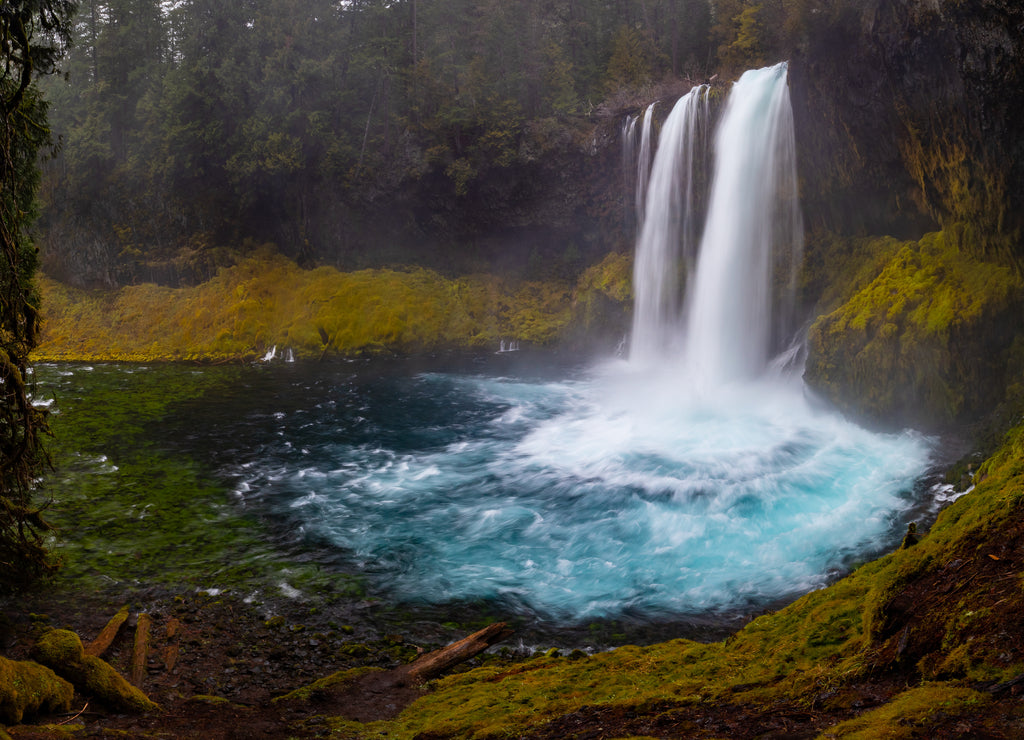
{"x":524,"y":487}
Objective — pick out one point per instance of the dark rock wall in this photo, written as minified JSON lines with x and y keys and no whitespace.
{"x":910,"y":116}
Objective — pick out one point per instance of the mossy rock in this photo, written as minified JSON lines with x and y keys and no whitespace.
{"x":912,"y":713}
{"x":62,"y":651}
{"x":602,"y":302}
{"x":336,"y":682}
{"x":926,"y":342}
{"x":27,"y":688}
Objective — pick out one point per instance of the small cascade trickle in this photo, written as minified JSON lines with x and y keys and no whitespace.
{"x":629,"y":163}
{"x":271,"y":354}
{"x":643,"y":164}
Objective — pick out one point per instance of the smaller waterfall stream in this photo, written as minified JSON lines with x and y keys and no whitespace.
{"x":667,"y":232}
{"x":643,"y":163}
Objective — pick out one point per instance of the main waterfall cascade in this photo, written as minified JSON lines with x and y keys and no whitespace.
{"x":686,"y":483}
{"x":724,"y":332}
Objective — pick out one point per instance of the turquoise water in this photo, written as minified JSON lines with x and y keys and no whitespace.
{"x":557,"y":492}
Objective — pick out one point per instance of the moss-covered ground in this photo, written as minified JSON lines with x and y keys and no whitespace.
{"x":267,"y":301}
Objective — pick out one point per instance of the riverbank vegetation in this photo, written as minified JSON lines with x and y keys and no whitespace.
{"x":268,"y":302}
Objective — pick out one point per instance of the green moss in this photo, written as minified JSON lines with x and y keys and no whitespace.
{"x":268,"y":301}
{"x":910,"y":714}
{"x":335,"y":682}
{"x":926,"y":340}
{"x":54,"y":732}
{"x":27,"y":688}
{"x":62,"y":651}
{"x":207,"y":699}
{"x":602,"y":300}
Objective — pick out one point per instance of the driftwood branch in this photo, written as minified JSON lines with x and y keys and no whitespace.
{"x":171,"y":650}
{"x":107,"y":635}
{"x":140,"y":650}
{"x":439,"y":662}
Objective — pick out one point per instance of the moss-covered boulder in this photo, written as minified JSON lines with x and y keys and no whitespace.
{"x":62,"y":651}
{"x":27,"y":688}
{"x":926,"y":342}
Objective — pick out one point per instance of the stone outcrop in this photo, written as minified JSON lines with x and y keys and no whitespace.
{"x":910,"y":119}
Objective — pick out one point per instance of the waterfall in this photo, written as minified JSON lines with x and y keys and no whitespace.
{"x":629,"y":163}
{"x":636,"y":159}
{"x":667,"y":232}
{"x":753,"y":227}
{"x":643,"y":164}
{"x":740,"y":281}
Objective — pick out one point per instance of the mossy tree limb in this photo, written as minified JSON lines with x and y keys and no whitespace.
{"x":33,"y":34}
{"x":62,"y":651}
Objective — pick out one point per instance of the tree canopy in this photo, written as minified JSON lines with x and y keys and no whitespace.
{"x":190,"y":125}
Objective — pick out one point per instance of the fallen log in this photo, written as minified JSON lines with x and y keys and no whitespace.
{"x":140,"y":650}
{"x":107,"y":635}
{"x":438,"y":662}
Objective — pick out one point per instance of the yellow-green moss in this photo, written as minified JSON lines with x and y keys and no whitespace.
{"x":27,"y":688}
{"x":268,"y":301}
{"x":602,"y":300}
{"x":62,"y":651}
{"x":335,"y":681}
{"x":54,"y":732}
{"x":208,"y":699}
{"x":925,"y":340}
{"x":910,"y":714}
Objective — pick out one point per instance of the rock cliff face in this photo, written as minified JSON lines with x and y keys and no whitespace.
{"x":910,"y":117}
{"x":910,"y":113}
